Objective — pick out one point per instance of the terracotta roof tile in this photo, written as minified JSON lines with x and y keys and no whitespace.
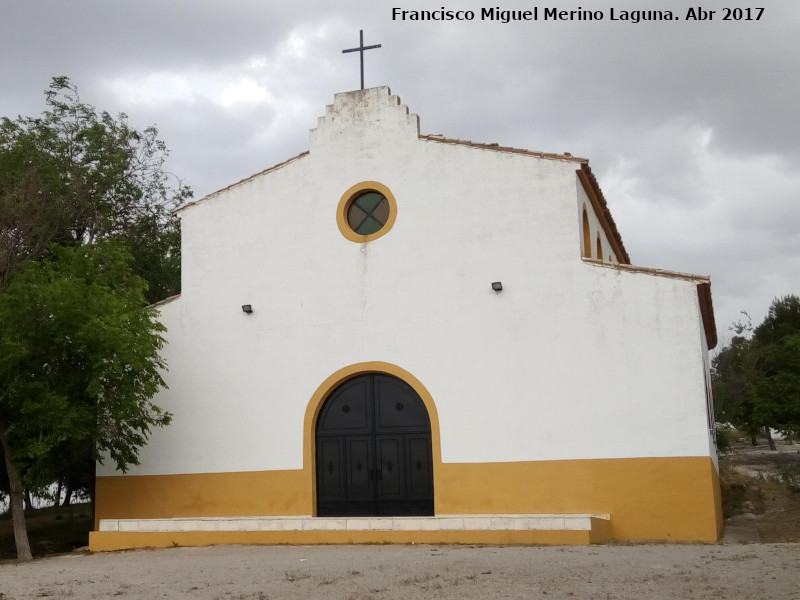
{"x":164,"y":301}
{"x":601,"y":210}
{"x":498,"y":148}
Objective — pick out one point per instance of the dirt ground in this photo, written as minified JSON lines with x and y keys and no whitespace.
{"x":761,"y":492}
{"x":655,"y":572}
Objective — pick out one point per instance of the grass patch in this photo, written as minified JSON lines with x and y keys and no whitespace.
{"x":740,"y":493}
{"x":789,"y":475}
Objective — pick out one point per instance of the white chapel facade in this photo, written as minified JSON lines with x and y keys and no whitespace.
{"x":397,"y":337}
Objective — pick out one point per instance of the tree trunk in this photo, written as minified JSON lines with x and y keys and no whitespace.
{"x":15,"y":495}
{"x":93,"y":496}
{"x":28,"y":500}
{"x":753,"y":440}
{"x":67,"y":497}
{"x":769,"y":439}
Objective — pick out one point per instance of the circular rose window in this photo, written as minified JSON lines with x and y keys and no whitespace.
{"x":366,"y":212}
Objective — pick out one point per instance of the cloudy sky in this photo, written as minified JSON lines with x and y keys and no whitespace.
{"x":691,"y":126}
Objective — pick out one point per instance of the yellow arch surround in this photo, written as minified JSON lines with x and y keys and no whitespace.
{"x":331,"y":383}
{"x":587,"y":234}
{"x":350,"y":195}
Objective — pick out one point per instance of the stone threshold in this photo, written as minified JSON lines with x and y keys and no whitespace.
{"x":489,"y":522}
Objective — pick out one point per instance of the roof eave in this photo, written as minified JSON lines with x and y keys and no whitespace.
{"x":238,"y":183}
{"x":600,"y":206}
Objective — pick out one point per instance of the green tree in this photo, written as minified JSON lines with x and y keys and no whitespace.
{"x":87,"y":239}
{"x":73,"y":176}
{"x":156,"y":248}
{"x":777,"y":344}
{"x":733,"y":376}
{"x":756,"y":376}
{"x":79,"y":363}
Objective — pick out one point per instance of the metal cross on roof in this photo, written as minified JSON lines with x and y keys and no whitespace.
{"x":360,"y":50}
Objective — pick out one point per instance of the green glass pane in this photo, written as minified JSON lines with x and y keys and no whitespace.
{"x":355,"y":216}
{"x":381,"y":212}
{"x":367,"y":202}
{"x":369,"y":226}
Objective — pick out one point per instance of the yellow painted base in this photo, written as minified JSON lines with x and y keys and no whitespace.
{"x":245,"y":494}
{"x":669,"y":499}
{"x":660,"y":499}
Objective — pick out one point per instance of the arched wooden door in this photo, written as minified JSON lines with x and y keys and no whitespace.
{"x":373,"y":450}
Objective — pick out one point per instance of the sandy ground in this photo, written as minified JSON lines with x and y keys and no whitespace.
{"x":673,"y":572}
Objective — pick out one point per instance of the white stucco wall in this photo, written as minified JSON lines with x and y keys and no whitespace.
{"x":610,"y":357}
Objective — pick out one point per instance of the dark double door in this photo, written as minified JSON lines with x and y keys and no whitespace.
{"x":373,"y":450}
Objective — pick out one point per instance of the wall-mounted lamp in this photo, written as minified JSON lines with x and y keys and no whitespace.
{"x":497,"y":286}
{"x":247,"y":308}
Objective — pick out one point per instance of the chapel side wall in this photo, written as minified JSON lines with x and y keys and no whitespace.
{"x":595,"y":230}
{"x":710,"y":414}
{"x":650,"y":330}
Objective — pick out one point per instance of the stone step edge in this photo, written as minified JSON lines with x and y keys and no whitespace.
{"x":489,"y":522}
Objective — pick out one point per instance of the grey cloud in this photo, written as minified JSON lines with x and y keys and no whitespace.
{"x":629,"y":97}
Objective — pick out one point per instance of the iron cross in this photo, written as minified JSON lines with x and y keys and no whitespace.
{"x":360,"y":50}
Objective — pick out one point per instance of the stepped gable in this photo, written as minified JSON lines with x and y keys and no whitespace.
{"x":370,"y":108}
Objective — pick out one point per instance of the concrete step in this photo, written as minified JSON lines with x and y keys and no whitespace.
{"x":114,"y":534}
{"x":570,"y":522}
